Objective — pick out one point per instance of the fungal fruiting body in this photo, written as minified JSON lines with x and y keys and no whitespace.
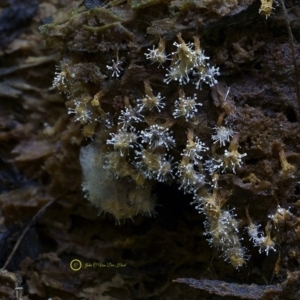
{"x":134,"y":148}
{"x":221,"y":225}
{"x":266,"y":7}
{"x":111,"y":195}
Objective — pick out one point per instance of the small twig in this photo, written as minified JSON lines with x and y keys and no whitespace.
{"x":32,"y":222}
{"x":291,"y":41}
